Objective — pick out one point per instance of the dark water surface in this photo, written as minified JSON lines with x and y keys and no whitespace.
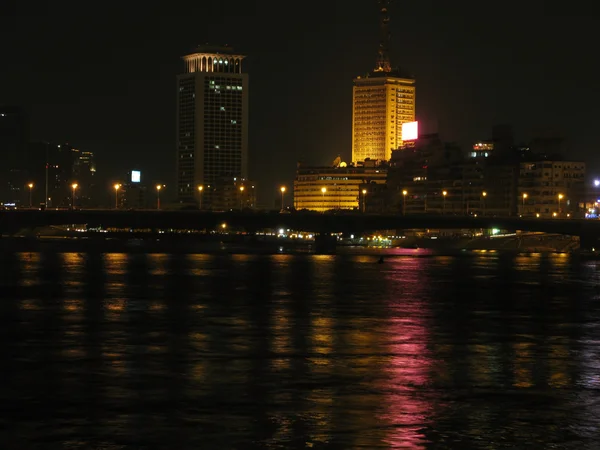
{"x":138,"y":351}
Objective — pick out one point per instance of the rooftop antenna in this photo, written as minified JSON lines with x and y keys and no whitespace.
{"x":383,"y":57}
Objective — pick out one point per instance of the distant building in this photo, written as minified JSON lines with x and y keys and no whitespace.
{"x":84,"y":174}
{"x":54,"y":168}
{"x":133,"y":196}
{"x":418,"y":175}
{"x":382,"y":101}
{"x":212,"y":121}
{"x":551,"y":188}
{"x":14,"y":138}
{"x":482,"y":149}
{"x":231,"y":193}
{"x":335,"y":187}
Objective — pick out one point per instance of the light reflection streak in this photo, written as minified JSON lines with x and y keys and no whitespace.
{"x":321,"y":401}
{"x":200,"y":265}
{"x":115,"y":266}
{"x":158,"y":264}
{"x":523,"y":363}
{"x":198,"y":363}
{"x":30,"y":304}
{"x":407,"y":408}
{"x":321,"y":343}
{"x":281,"y":339}
{"x":29,"y":268}
{"x":558,"y":361}
{"x":482,"y":363}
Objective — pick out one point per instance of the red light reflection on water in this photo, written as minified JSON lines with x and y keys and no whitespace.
{"x":408,"y":404}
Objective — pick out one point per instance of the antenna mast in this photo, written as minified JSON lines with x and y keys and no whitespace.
{"x":383,"y":57}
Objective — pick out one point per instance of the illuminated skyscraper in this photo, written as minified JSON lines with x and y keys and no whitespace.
{"x":212,"y":121}
{"x":383,"y":100}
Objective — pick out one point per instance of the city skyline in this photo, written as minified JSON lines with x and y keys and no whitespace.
{"x":471,"y":75}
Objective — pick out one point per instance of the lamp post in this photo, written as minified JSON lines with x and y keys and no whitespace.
{"x":524,"y":198}
{"x":560,"y":197}
{"x":74,"y":186}
{"x":282,"y":189}
{"x":364,"y":193}
{"x":158,"y":188}
{"x":241,"y":197}
{"x":444,"y":194}
{"x":200,"y":192}
{"x":30,"y":185}
{"x":484,"y":195}
{"x":323,"y":190}
{"x":117,"y":186}
{"x":404,"y":192}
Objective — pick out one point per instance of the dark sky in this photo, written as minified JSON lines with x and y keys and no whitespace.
{"x":101,"y":75}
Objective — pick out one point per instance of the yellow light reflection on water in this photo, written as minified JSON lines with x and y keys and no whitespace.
{"x":558,"y":363}
{"x":200,"y":265}
{"x":29,"y":267}
{"x":73,"y":305}
{"x":158,"y":264}
{"x":523,"y":364}
{"x":280,"y":342}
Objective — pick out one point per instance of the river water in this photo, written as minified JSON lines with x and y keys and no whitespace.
{"x":115,"y":351}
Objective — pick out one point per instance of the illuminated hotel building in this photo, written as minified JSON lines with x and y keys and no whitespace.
{"x":382,"y":101}
{"x":212,"y":120}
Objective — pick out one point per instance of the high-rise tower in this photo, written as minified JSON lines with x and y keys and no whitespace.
{"x":212,"y":120}
{"x":382,"y":101}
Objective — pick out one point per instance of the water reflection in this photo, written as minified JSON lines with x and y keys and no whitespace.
{"x":299,"y":351}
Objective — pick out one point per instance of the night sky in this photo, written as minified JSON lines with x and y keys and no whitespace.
{"x":101,"y":75}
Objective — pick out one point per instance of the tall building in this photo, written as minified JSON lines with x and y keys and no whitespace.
{"x":212,"y":121}
{"x":14,"y":137}
{"x":53,"y":168}
{"x":382,"y":101}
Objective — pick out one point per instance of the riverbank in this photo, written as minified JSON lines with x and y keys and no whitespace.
{"x":532,"y":243}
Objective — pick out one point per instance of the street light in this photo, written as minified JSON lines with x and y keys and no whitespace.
{"x":158,"y":188}
{"x":282,"y":189}
{"x":74,"y":186}
{"x":404,"y":192}
{"x":560,"y":197}
{"x":200,"y":191}
{"x":241,"y":197}
{"x":323,"y":190}
{"x":444,"y":193}
{"x":30,"y":185}
{"x":484,"y":195}
{"x":364,"y":192}
{"x":524,"y":198}
{"x":117,"y":186}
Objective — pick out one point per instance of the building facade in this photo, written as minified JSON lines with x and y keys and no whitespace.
{"x":551,"y":189}
{"x":338,"y":187}
{"x":231,"y":193}
{"x":381,"y":103}
{"x":212,"y":121}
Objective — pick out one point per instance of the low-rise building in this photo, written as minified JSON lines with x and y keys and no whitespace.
{"x":335,"y":187}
